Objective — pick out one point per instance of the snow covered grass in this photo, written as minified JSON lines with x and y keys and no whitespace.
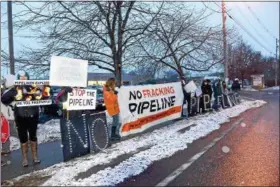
{"x":163,"y":143}
{"x":47,"y":132}
{"x":249,"y":88}
{"x":272,"y":88}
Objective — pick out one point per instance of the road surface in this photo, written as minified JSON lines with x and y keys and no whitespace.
{"x":243,"y":152}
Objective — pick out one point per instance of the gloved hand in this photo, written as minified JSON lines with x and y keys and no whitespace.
{"x":13,"y":92}
{"x":116,"y":92}
{"x":68,"y":89}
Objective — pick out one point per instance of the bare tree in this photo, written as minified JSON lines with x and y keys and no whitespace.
{"x":103,"y":33}
{"x":179,"y":39}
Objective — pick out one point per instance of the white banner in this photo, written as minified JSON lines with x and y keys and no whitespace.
{"x":68,"y":72}
{"x":142,"y":107}
{"x":81,"y":99}
{"x":33,"y":103}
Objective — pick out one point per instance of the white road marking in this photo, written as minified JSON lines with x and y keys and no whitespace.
{"x":243,"y":124}
{"x":185,"y":166}
{"x":225,"y":149}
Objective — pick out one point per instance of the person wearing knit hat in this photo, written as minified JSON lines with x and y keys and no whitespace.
{"x":26,"y":118}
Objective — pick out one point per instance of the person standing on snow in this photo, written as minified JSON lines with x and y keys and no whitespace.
{"x":26,"y":118}
{"x":217,"y":89}
{"x":112,"y":107}
{"x":206,"y":90}
{"x":236,"y":85}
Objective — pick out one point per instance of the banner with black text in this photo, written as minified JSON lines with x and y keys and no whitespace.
{"x":142,"y":107}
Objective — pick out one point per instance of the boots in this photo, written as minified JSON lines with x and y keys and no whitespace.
{"x":114,"y":136}
{"x":24,"y":150}
{"x":35,"y":158}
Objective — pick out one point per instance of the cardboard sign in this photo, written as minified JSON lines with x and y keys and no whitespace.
{"x":98,"y":131}
{"x":68,"y":72}
{"x":32,"y":93}
{"x":142,"y":107}
{"x":74,"y":137}
{"x":5,"y":129}
{"x":81,"y":99}
{"x":190,"y":87}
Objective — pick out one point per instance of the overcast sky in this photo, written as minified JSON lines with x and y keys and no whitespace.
{"x":266,"y":12}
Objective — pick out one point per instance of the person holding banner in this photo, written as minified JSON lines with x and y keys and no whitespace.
{"x":206,"y":95}
{"x":217,"y":89}
{"x":112,"y":107}
{"x":26,"y":117}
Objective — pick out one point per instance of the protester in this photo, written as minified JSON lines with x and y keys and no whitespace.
{"x":26,"y":118}
{"x":184,"y":112}
{"x":217,"y":89}
{"x":206,"y":90}
{"x":8,"y":113}
{"x":209,"y":88}
{"x":236,"y":85}
{"x":224,"y":87}
{"x":112,"y":106}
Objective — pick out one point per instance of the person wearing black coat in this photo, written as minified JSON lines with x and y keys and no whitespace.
{"x":206,"y":90}
{"x":26,"y":118}
{"x":236,"y":86}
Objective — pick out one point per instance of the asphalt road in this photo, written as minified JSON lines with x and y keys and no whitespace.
{"x":243,"y":152}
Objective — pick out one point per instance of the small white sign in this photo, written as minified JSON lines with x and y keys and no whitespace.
{"x":33,"y":103}
{"x":81,"y":99}
{"x":68,"y":72}
{"x":31,"y":82}
{"x":257,"y":81}
{"x":190,"y":87}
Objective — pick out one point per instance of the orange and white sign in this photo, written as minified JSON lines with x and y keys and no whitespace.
{"x":142,"y":107}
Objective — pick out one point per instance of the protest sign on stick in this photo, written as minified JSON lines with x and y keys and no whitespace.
{"x":68,"y":72}
{"x":81,"y":99}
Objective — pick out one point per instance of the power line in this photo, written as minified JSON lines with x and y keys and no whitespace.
{"x":255,"y":15}
{"x":241,"y":12}
{"x":242,"y":27}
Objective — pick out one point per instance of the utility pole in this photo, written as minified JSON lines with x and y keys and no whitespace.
{"x":276,"y":64}
{"x":11,"y":38}
{"x":225,"y":40}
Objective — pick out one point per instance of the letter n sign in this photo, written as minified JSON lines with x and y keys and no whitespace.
{"x":74,"y":137}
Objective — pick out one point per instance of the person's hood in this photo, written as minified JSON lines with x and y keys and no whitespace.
{"x":10,"y":80}
{"x":23,"y":73}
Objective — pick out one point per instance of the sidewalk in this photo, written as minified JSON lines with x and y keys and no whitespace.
{"x":49,"y":153}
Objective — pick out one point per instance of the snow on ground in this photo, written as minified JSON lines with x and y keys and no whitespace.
{"x":272,"y":88}
{"x":47,"y":132}
{"x":162,"y":143}
{"x":249,"y":88}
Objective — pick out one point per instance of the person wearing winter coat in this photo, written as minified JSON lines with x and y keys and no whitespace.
{"x":236,"y":85}
{"x":217,"y":89}
{"x":26,"y":118}
{"x":7,"y":111}
{"x":112,"y":107}
{"x":206,"y":90}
